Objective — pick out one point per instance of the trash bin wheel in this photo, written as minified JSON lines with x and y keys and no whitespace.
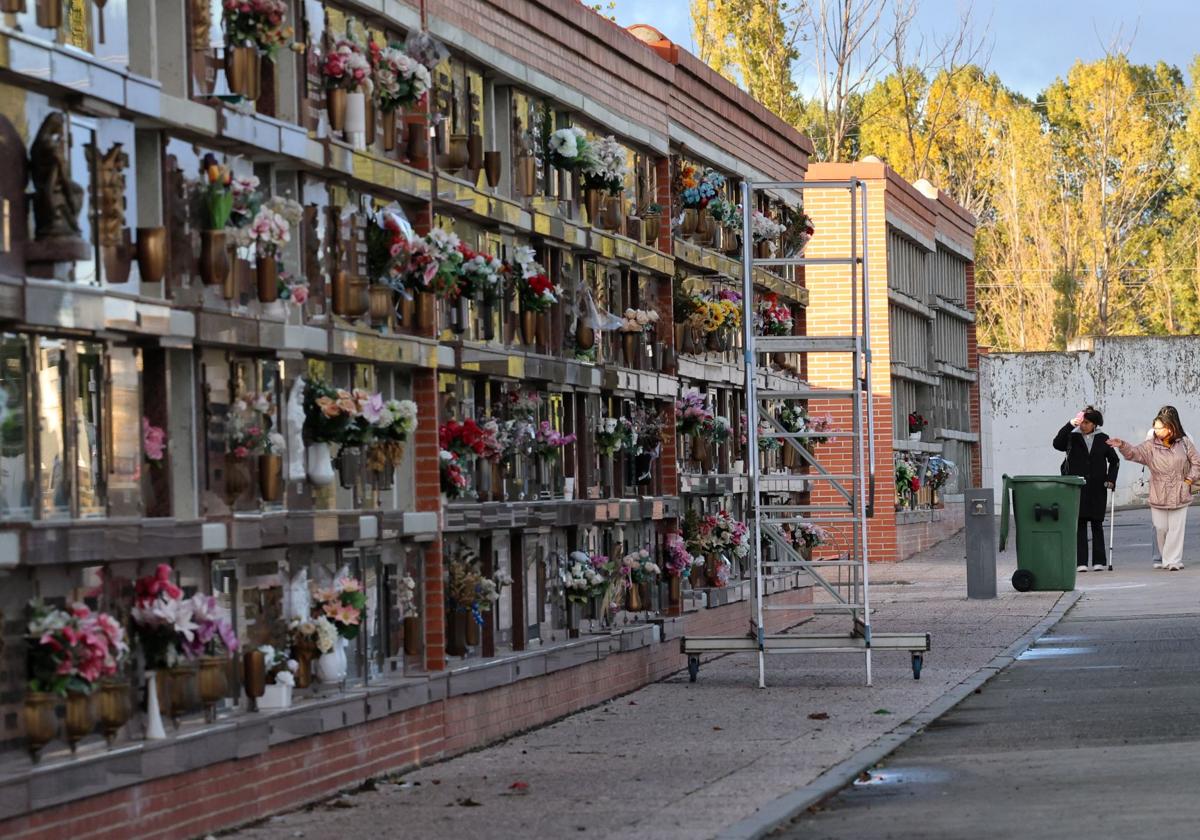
{"x":693,"y":668}
{"x":1022,"y":580}
{"x":918,"y":660}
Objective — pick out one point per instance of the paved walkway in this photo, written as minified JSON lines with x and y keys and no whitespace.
{"x":1092,"y":733}
{"x":681,"y":760}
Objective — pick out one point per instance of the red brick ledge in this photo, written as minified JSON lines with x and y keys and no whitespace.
{"x":280,"y":768}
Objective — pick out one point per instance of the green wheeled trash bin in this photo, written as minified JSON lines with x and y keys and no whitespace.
{"x":1046,"y":508}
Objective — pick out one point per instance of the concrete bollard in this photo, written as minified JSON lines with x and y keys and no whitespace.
{"x":979,"y":506}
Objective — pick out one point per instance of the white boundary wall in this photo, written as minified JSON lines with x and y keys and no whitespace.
{"x":1026,"y":397}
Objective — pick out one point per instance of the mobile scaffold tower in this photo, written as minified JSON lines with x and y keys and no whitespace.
{"x":845,"y":581}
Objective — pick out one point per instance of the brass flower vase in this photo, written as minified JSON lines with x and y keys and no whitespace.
{"x":41,"y":724}
{"x":152,"y":253}
{"x":266,"y":271}
{"x":12,"y":7}
{"x":472,"y":637}
{"x":380,"y":304}
{"x":243,"y":71}
{"x":650,"y":227}
{"x":214,"y":257}
{"x":49,"y":13}
{"x":341,"y":293}
{"x":585,"y":335}
{"x":528,"y":328}
{"x":112,"y":700}
{"x":593,"y":202}
{"x":691,"y":218}
{"x":456,"y":636}
{"x":254,"y":676}
{"x":358,"y":296}
{"x":335,"y":107}
{"x":237,"y":477}
{"x":412,"y":635}
{"x":630,"y":347}
{"x":458,"y":154}
{"x":183,"y":689}
{"x":613,"y":213}
{"x":418,"y":142}
{"x":213,"y":680}
{"x":388,"y":123}
{"x":633,"y":601}
{"x":408,"y":311}
{"x":78,"y":721}
{"x":475,"y":152}
{"x":527,"y":175}
{"x":426,"y":310}
{"x":270,"y":477}
{"x":675,"y":591}
{"x":491,"y":168}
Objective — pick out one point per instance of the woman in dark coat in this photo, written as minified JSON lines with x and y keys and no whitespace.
{"x":1089,"y":456}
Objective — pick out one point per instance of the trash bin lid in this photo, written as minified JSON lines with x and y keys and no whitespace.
{"x":1076,"y":480}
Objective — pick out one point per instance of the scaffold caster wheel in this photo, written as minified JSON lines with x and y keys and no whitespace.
{"x":1022,"y":580}
{"x":693,"y":668}
{"x":918,"y":660}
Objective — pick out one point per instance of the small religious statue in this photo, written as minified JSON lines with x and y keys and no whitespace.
{"x":56,"y":199}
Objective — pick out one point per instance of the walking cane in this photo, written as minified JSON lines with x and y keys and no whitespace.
{"x":1112,"y":524}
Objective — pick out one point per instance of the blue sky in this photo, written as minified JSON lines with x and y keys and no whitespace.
{"x":1033,"y":41}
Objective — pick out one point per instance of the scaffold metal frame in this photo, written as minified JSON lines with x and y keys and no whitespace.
{"x":850,"y":591}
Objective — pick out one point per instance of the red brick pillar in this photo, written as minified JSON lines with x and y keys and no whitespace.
{"x":428,"y":500}
{"x":662,"y":170}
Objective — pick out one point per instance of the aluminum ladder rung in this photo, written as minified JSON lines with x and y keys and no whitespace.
{"x":814,"y":607}
{"x":805,"y":508}
{"x":807,"y":394}
{"x":805,"y":344}
{"x":784,"y":261}
{"x":803,"y":435}
{"x":812,"y":520}
{"x":806,"y":564}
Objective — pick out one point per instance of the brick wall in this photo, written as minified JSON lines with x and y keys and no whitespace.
{"x":930,"y":528}
{"x":236,"y":792}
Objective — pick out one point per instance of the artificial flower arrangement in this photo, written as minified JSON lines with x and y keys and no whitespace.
{"x":72,"y":649}
{"x":214,"y":629}
{"x":535,"y":290}
{"x":154,"y":442}
{"x":691,"y":412}
{"x":765,"y":444}
{"x":291,"y":289}
{"x":796,"y":420}
{"x":720,"y":532}
{"x":245,"y":434}
{"x":684,"y":303}
{"x":347,"y":66}
{"x":638,"y":320}
{"x":938,"y":471}
{"x":459,"y":444}
{"x":162,"y":618}
{"x":798,"y":229}
{"x":810,"y":535}
{"x":281,"y":669}
{"x":481,"y":275}
{"x":722,"y":210}
{"x":614,"y":434}
{"x":400,"y":80}
{"x":432,"y":263}
{"x":776,"y":317}
{"x":469,"y":590}
{"x":907,"y":479}
{"x":526,"y":403}
{"x":716,"y":429}
{"x":585,"y":576}
{"x":392,"y":421}
{"x":389,"y":237}
{"x":679,"y":560}
{"x":548,"y":442}
{"x":647,"y":428}
{"x":700,"y":186}
{"x":258,"y":23}
{"x":406,"y":597}
{"x":568,"y":148}
{"x":328,"y":412}
{"x":606,"y":166}
{"x":916,"y":422}
{"x":638,"y":567}
{"x":762,"y":227}
{"x":342,"y":604}
{"x":215,"y":194}
{"x":453,"y":480}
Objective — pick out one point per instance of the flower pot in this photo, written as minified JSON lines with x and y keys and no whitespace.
{"x":213,"y":679}
{"x":702,"y":453}
{"x":528,"y":328}
{"x":691,"y":219}
{"x":270,"y":479}
{"x":683,"y":338}
{"x":458,"y":154}
{"x":456,"y":633}
{"x":266,"y":271}
{"x":633,"y":599}
{"x":593,"y":202}
{"x":472,"y":637}
{"x":341,"y":293}
{"x":706,"y":229}
{"x":527,"y":175}
{"x":491,"y":168}
{"x":574,"y":617}
{"x":369,"y":122}
{"x":331,"y":667}
{"x":418,"y":142}
{"x":696,"y":576}
{"x":425,"y":311}
{"x":613,"y":213}
{"x":41,"y":724}
{"x":183,"y":683}
{"x":243,"y":71}
{"x":412,"y":635}
{"x":732,"y":243}
{"x":214,"y":257}
{"x":112,"y":701}
{"x":276,"y":696}
{"x":305,"y":653}
{"x":154,"y":724}
{"x":717,"y":235}
{"x":487,"y":317}
{"x":712,"y":570}
{"x":585,"y":335}
{"x":237,"y":478}
{"x":379,"y":304}
{"x":12,"y":7}
{"x":633,"y":228}
{"x":389,"y":130}
{"x":675,"y":591}
{"x":254,"y":676}
{"x":335,"y":107}
{"x":318,"y":464}
{"x":762,"y":250}
{"x":350,"y":466}
{"x":650,"y":227}
{"x":475,"y":152}
{"x":355,"y":128}
{"x":152,"y":253}
{"x":791,"y":458}
{"x":49,"y":13}
{"x":459,"y":314}
{"x":407,"y":307}
{"x":630,"y":348}
{"x":358,"y":296}
{"x":117,"y":259}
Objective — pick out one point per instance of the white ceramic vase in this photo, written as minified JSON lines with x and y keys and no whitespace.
{"x":154,"y":724}
{"x":319,"y":464}
{"x":331,"y":666}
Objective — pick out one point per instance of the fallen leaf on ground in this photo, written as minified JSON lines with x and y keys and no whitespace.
{"x":819,"y":716}
{"x":716,"y":729}
{"x":469,"y":803}
{"x":519,"y":786}
{"x":882,"y":712}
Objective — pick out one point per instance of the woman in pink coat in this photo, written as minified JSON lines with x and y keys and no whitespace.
{"x":1174,"y":469}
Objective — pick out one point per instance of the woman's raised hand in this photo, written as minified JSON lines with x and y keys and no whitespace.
{"x":1115,"y":443}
